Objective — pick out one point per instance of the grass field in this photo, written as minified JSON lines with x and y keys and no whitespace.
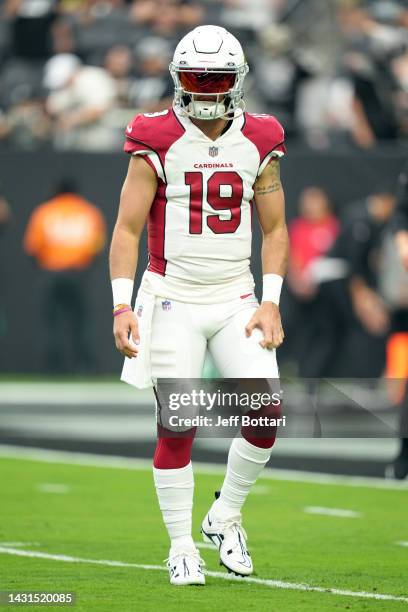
{"x":110,"y":514}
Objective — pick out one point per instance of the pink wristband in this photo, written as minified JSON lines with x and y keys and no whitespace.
{"x":118,"y":312}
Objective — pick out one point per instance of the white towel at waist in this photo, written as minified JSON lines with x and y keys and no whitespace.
{"x":137,"y":371}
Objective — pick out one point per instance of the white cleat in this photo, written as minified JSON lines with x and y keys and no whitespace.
{"x":230,"y":538}
{"x":185,"y":567}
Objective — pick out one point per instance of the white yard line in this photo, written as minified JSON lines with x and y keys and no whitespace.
{"x":59,"y":393}
{"x":279,"y":584}
{"x":331,"y":512}
{"x":405,"y":544}
{"x":15,"y":544}
{"x":49,"y":487}
{"x":128,"y":463}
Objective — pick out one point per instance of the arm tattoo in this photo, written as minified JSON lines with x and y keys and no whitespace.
{"x":270,"y":179}
{"x":265,"y":189}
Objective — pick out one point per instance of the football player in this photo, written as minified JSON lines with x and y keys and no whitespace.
{"x":195,"y":173}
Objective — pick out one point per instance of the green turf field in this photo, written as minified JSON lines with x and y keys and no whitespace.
{"x":99,"y":513}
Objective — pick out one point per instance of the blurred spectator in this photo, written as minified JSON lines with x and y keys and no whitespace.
{"x":5,"y":212}
{"x":191,"y":14}
{"x":332,"y":72}
{"x":248,"y":16}
{"x":102,"y":24}
{"x":348,"y":299}
{"x":5,"y":217}
{"x":371,"y":84}
{"x":398,"y":342}
{"x":166,"y":23}
{"x":79,"y":101}
{"x":119,"y":66}
{"x":400,"y":219}
{"x":153,"y":89}
{"x":63,"y":36}
{"x":311,"y":235}
{"x":25,"y":125}
{"x":64,"y":235}
{"x":31,"y":22}
{"x":400,"y":72}
{"x":277,"y":75}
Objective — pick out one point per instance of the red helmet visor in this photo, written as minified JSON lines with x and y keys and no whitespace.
{"x":207,"y":82}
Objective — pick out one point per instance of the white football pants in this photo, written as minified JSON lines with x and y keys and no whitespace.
{"x":181,"y":333}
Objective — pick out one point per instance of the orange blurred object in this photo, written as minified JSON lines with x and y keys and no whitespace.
{"x":65,"y":233}
{"x":397,"y":365}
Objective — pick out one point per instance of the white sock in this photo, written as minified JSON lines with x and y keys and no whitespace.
{"x":245,"y":463}
{"x":175,"y":490}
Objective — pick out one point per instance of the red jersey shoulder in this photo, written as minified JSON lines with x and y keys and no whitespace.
{"x":154,"y":131}
{"x":266,"y":133}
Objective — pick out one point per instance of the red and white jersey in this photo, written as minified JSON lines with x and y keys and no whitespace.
{"x":200,"y":223}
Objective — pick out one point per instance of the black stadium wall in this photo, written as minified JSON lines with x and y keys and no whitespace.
{"x":28,"y":179}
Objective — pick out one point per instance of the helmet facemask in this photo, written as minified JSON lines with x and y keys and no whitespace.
{"x":207,"y":93}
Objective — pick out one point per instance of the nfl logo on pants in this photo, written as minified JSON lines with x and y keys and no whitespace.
{"x":213,"y":151}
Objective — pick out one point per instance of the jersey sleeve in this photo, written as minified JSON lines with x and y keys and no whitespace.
{"x":268,"y":135}
{"x":139,"y":141}
{"x":151,"y":135}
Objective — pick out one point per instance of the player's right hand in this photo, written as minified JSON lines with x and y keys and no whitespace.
{"x":126,"y":332}
{"x":267,"y":318}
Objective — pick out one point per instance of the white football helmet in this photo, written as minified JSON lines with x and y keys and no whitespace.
{"x":208,"y":70}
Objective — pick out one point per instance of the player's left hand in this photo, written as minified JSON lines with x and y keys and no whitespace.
{"x":267,"y":318}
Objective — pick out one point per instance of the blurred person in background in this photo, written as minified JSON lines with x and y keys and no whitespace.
{"x":278,"y":74}
{"x":5,"y":211}
{"x":152,"y":90}
{"x":371,"y":83}
{"x":64,"y":236}
{"x":399,"y":468}
{"x":191,"y":13}
{"x":247,"y":17}
{"x":400,"y":73}
{"x":31,"y":22}
{"x":79,"y":100}
{"x":25,"y":124}
{"x":166,"y":22}
{"x":347,"y":299}
{"x":102,"y":24}
{"x":63,"y":39}
{"x":400,"y":219}
{"x":311,"y":235}
{"x":119,"y":65}
{"x":5,"y":218}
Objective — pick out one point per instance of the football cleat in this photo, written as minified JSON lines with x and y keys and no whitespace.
{"x":185,"y":567}
{"x":230,"y":538}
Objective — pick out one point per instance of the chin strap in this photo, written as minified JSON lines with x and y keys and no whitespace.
{"x":206,"y":110}
{"x":187,"y":108}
